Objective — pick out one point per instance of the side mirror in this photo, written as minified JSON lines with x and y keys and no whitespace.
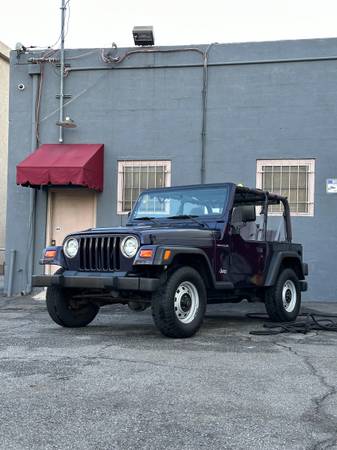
{"x":129,"y":214}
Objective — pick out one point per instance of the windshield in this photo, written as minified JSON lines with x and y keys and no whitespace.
{"x":170,"y":203}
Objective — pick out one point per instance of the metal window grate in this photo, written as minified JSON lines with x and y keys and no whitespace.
{"x":136,"y":176}
{"x":293,"y":179}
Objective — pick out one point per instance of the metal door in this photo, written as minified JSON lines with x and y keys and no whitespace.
{"x":69,"y":210}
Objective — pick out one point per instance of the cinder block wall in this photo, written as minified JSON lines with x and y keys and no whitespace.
{"x":256,"y":110}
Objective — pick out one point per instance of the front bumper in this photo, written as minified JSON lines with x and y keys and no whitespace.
{"x":116,"y":281}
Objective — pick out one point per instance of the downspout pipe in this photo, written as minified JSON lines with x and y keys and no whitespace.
{"x":11,"y":272}
{"x":204,"y":114}
{"x":63,"y":9}
{"x":32,"y":194}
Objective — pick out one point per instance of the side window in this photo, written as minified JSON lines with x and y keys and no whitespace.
{"x":276,"y":229}
{"x":249,"y":222}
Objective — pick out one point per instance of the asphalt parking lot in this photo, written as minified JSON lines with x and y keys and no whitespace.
{"x":118,"y":384}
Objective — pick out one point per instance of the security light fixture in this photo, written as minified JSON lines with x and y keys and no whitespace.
{"x":143,"y":35}
{"x":20,"y":48}
{"x":66,"y":123}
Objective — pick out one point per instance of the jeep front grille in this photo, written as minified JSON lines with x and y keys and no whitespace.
{"x":99,"y":254}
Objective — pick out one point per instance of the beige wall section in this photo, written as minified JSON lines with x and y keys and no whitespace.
{"x":4,"y":94}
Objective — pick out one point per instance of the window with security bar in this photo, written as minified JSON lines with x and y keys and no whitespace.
{"x":136,"y":176}
{"x":293,"y":179}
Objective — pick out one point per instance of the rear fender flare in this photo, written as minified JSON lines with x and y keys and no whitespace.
{"x":276,"y":263}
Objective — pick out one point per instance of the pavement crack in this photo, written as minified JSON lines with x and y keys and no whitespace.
{"x":134,"y":361}
{"x":329,"y":423}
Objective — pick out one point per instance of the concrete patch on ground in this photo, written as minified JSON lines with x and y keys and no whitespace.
{"x":40,"y":295}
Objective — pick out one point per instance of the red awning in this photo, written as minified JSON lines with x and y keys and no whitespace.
{"x":63,"y":164}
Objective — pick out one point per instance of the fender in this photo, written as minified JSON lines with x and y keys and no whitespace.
{"x":275,"y":264}
{"x":57,"y":259}
{"x":158,"y":260}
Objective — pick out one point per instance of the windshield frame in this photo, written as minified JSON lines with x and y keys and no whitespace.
{"x":209,"y":217}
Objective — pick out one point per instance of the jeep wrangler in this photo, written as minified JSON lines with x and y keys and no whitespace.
{"x":182,"y":247}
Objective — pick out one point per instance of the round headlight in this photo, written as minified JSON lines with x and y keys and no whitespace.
{"x":70,"y":247}
{"x":129,"y":246}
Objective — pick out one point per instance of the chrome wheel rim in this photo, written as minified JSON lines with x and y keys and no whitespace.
{"x":186,"y":302}
{"x":289,"y":296}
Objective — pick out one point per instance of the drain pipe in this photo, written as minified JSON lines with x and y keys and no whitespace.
{"x":32,"y":194}
{"x":63,"y":9}
{"x":31,"y":239}
{"x":204,"y":113}
{"x":11,"y":272}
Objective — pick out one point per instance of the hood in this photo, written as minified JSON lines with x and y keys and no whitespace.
{"x":158,"y":235}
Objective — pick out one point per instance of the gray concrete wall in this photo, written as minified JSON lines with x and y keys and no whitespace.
{"x":274,"y":110}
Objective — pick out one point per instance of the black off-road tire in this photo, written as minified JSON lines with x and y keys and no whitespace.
{"x":59,"y":309}
{"x":274,"y":303}
{"x":164,"y":309}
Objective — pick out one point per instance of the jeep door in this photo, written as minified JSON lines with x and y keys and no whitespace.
{"x":247,"y":248}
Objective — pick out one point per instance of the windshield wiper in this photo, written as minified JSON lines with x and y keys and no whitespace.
{"x":191,"y":217}
{"x":150,"y":219}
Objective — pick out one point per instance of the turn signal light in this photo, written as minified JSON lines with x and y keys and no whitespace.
{"x":146,"y":253}
{"x":50,"y":254}
{"x":167,"y":255}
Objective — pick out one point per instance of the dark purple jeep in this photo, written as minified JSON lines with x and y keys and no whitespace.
{"x":183,"y":247}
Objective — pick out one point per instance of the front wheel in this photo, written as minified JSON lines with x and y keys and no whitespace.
{"x":67,"y":313}
{"x":178,"y":308}
{"x":283,"y":300}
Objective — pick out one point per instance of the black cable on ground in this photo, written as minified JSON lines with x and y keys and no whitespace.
{"x":310,"y":322}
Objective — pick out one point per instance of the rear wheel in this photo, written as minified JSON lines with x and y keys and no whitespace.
{"x":283,"y":300}
{"x":65,"y":311}
{"x":178,"y":308}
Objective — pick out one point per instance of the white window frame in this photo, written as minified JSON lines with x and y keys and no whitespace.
{"x":291,"y":162}
{"x":142,"y":163}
